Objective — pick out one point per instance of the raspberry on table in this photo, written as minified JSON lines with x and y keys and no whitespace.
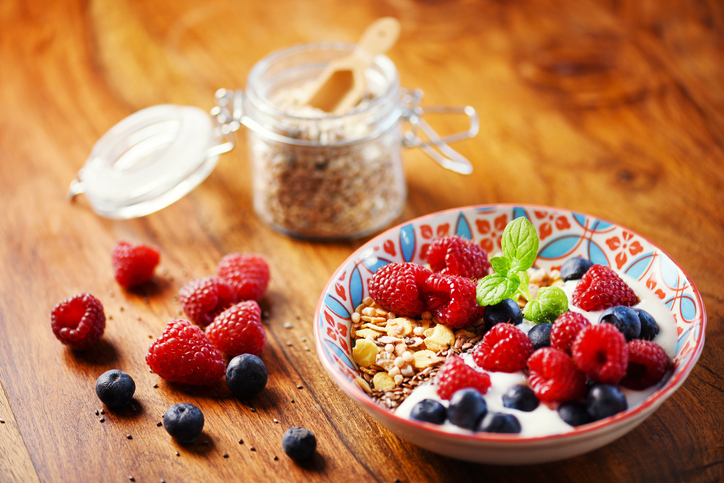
{"x":238,"y":330}
{"x":79,"y":321}
{"x":455,"y":375}
{"x":133,"y":264}
{"x":554,"y":377}
{"x":455,"y":255}
{"x":504,"y":348}
{"x":398,"y":287}
{"x":600,"y":351}
{"x":205,"y":298}
{"x":601,"y":288}
{"x":247,"y":273}
{"x":566,"y":328}
{"x":647,"y":365}
{"x":183,"y":354}
{"x":451,"y":299}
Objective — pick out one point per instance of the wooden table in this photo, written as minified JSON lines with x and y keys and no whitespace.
{"x":615,"y":109}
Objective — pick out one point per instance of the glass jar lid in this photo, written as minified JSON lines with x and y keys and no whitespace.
{"x":150,"y":159}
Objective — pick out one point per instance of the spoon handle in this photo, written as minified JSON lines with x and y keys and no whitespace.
{"x":379,"y":37}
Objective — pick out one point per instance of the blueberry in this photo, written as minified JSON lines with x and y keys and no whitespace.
{"x":575,"y":268}
{"x":246,"y":376}
{"x":115,"y":388}
{"x":625,"y":319}
{"x":506,"y":311}
{"x":521,"y":398}
{"x":299,"y":443}
{"x":649,"y":327}
{"x":540,"y":335}
{"x":499,"y":423}
{"x":183,"y":422}
{"x":574,"y":413}
{"x":429,"y":410}
{"x":466,"y":408}
{"x":604,"y":400}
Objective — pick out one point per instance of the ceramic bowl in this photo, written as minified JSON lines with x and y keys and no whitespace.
{"x":562,"y":234}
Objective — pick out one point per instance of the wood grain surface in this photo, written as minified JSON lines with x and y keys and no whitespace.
{"x":611,"y":108}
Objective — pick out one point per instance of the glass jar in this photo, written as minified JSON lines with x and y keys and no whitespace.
{"x":317,"y":175}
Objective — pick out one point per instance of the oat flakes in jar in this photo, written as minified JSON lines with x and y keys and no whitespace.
{"x":322,"y":176}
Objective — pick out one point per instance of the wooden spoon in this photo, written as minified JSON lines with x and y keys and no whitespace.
{"x":342,"y":83}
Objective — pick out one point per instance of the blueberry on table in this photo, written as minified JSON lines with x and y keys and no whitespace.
{"x":466,"y":408}
{"x":115,"y":388}
{"x":625,"y":319}
{"x":649,"y":327}
{"x":299,"y":443}
{"x":499,"y":423}
{"x":574,"y":413}
{"x":246,"y":376}
{"x":520,"y":397}
{"x":429,"y":410}
{"x":574,"y":268}
{"x":604,"y":400}
{"x":184,"y":422}
{"x":505,"y":311}
{"x":540,"y":335}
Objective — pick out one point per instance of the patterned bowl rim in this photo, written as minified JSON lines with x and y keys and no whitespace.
{"x":641,"y":410}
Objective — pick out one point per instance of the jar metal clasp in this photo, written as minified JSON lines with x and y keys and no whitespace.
{"x":435,"y":146}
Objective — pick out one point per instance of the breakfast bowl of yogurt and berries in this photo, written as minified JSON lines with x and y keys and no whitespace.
{"x":509,"y":334}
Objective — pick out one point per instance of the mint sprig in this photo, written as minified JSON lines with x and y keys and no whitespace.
{"x":520,"y":249}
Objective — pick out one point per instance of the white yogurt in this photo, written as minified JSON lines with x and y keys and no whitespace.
{"x":544,"y":421}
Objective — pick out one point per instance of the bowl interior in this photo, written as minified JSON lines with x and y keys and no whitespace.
{"x":563,"y":234}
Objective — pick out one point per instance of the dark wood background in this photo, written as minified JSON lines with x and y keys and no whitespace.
{"x":611,"y":108}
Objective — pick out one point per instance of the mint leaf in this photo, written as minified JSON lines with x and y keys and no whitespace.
{"x":501,"y":265}
{"x":495,"y":288}
{"x":520,"y":244}
{"x":550,"y":303}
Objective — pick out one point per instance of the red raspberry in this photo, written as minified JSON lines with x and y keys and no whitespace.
{"x":504,"y":348}
{"x":247,"y":273}
{"x":647,"y":364}
{"x":554,"y":377}
{"x":455,"y":375}
{"x":238,"y":330}
{"x":452,"y":299}
{"x":79,"y":321}
{"x":133,"y":264}
{"x":205,"y":298}
{"x":566,"y":328}
{"x":398,"y":287}
{"x":454,"y":255}
{"x":184,"y":354}
{"x":601,"y":288}
{"x":600,"y":351}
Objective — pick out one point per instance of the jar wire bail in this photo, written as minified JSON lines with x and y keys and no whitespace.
{"x":435,"y":146}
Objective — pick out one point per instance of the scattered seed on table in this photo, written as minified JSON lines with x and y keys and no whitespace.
{"x":178,"y":454}
{"x":150,"y":336}
{"x":121,"y":308}
{"x":205,"y":442}
{"x":276,"y":458}
{"x":299,"y":386}
{"x":297,"y":316}
{"x":288,"y":325}
{"x":102,"y":419}
{"x":97,"y":413}
{"x":103,"y":411}
{"x":292,"y":401}
{"x":111,"y":293}
{"x":252,"y":449}
{"x":253,"y":410}
{"x":226,"y":455}
{"x":289,"y":343}
{"x":241,"y":441}
{"x":159,"y":424}
{"x":276,"y":420}
{"x":155,"y":386}
{"x":129,"y":436}
{"x":138,"y":317}
{"x":110,"y":317}
{"x":145,"y":299}
{"x":130,"y":477}
{"x":2,"y":421}
{"x":306,"y":349}
{"x":304,"y":339}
